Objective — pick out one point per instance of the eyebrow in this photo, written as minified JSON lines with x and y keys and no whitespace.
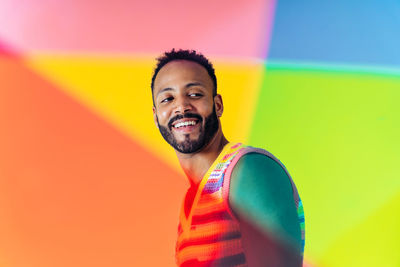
{"x":187,"y":86}
{"x":194,"y":84}
{"x":164,"y":90}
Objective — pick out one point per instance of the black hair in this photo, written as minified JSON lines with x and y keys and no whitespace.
{"x":190,"y":55}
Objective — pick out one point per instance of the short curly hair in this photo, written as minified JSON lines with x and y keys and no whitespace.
{"x":190,"y":55}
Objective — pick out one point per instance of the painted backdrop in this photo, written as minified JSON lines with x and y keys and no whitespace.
{"x":86,"y":179}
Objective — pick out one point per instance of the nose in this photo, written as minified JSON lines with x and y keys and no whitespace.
{"x":182,"y":105}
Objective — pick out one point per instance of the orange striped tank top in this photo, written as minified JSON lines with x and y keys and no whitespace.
{"x":210,"y":234}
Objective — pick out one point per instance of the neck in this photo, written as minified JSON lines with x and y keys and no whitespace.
{"x":195,"y":165}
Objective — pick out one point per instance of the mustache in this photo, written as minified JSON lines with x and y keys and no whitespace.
{"x":184,"y":116}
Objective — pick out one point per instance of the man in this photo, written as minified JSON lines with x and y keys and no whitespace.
{"x":242,"y":208}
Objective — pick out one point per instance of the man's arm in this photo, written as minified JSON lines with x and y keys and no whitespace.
{"x":261,"y":197}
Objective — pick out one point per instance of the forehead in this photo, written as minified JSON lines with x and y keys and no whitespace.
{"x":179,"y":72}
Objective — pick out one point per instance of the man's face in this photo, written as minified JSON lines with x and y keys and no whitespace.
{"x":185,"y":110}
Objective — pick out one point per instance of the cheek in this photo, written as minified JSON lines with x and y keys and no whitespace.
{"x":207,"y":110}
{"x":162,"y":116}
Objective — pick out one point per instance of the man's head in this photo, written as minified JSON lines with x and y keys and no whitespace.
{"x":186,"y":106}
{"x":190,"y":55}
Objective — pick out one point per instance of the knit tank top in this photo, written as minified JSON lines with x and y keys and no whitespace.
{"x":210,"y":234}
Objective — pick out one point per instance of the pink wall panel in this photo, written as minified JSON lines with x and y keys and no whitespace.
{"x":227,"y":28}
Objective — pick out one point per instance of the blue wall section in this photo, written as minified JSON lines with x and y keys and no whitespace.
{"x":340,"y":31}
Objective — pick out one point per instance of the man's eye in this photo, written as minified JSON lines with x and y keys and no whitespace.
{"x":195,"y":95}
{"x":167,"y":99}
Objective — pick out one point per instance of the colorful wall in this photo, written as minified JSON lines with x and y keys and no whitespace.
{"x":85,"y":177}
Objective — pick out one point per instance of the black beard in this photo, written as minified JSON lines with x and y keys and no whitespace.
{"x":191,"y":146}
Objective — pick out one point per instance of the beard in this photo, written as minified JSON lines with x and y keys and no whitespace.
{"x":188,"y":146}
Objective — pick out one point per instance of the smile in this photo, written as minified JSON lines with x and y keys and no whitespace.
{"x":184,"y":123}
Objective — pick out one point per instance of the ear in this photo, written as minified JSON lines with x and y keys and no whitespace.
{"x":219,"y":105}
{"x":155,"y":117}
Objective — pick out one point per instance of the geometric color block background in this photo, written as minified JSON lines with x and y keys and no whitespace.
{"x":87,"y":180}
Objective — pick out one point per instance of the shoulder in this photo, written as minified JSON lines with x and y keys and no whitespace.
{"x":261,"y":193}
{"x":261,"y":173}
{"x":262,"y":198}
{"x":261,"y":189}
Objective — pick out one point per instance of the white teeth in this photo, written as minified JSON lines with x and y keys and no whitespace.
{"x":186,"y":123}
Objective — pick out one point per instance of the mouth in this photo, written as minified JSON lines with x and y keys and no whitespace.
{"x":185,"y":125}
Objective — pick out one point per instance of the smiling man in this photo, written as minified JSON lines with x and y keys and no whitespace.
{"x":242,"y":207}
